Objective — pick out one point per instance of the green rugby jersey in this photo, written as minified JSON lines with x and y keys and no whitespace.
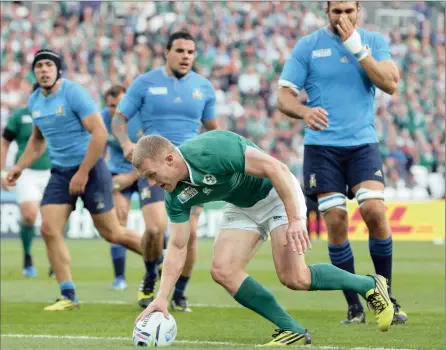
{"x":20,"y":124}
{"x":216,"y":164}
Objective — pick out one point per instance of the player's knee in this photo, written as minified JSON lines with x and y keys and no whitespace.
{"x":337,"y":226}
{"x":29,"y":217}
{"x":221,"y":274}
{"x":152,"y":232}
{"x":47,"y":231}
{"x":112,"y":236}
{"x":295,"y":281}
{"x":374,"y":215}
{"x":372,"y":207}
{"x":152,"y":239}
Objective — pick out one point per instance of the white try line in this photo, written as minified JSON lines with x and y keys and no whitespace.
{"x":202,"y":342}
{"x":121,"y":302}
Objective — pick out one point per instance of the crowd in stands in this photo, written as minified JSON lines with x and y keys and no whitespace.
{"x":242,"y":47}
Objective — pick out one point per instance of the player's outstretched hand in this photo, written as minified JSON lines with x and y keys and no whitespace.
{"x":10,"y":179}
{"x":297,"y":237}
{"x":78,"y":183}
{"x":158,"y":304}
{"x":128,"y":151}
{"x":316,"y":118}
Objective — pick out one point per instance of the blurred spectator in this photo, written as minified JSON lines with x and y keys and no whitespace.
{"x":241,"y":48}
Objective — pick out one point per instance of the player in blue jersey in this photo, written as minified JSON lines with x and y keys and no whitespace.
{"x":66,"y":119}
{"x":124,"y":176}
{"x":172,"y":101}
{"x":340,"y":67}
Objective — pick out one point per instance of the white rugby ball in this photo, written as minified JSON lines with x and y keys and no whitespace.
{"x":154,"y":330}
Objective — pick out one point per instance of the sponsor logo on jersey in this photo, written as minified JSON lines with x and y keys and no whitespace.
{"x":379,"y":173}
{"x":344,"y":59}
{"x":209,"y":179}
{"x":187,"y":194}
{"x":158,"y":90}
{"x":178,"y":100}
{"x":321,"y":53}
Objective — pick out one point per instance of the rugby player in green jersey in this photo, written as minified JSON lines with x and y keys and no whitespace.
{"x":263,"y":200}
{"x":32,"y":183}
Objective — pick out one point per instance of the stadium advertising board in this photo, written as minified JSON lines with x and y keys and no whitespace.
{"x":410,"y":221}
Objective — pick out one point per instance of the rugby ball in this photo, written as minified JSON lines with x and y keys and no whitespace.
{"x":154,"y":330}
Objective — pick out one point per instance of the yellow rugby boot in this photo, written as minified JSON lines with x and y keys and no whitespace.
{"x":146,"y":292}
{"x":62,"y":305}
{"x":287,"y":338}
{"x":378,"y":300}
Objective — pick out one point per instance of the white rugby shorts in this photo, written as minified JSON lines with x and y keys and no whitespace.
{"x":264,"y":216}
{"x":31,"y":185}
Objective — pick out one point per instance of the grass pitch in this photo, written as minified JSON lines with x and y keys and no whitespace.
{"x":106,"y":317}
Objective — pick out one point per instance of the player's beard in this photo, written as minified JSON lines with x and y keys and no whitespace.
{"x":177,"y":74}
{"x":334,"y":28}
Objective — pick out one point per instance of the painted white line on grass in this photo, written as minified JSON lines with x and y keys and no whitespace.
{"x":85,"y":337}
{"x":120,"y":302}
{"x":203,"y":342}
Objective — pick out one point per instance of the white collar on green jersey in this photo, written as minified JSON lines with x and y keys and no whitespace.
{"x":188,"y":168}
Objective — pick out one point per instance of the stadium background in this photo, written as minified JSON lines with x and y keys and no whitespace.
{"x":106,"y":43}
{"x":242,"y":47}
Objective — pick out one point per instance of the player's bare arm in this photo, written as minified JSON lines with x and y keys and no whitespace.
{"x":260,"y":164}
{"x":119,"y":128}
{"x":95,"y":125}
{"x":172,"y":266}
{"x":287,"y":102}
{"x":4,"y":152}
{"x":175,"y":257}
{"x":211,"y":124}
{"x":384,"y":74}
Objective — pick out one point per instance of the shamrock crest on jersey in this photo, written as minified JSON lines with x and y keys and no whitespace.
{"x":209,"y":179}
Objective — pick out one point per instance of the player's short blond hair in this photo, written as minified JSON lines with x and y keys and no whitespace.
{"x":152,"y":147}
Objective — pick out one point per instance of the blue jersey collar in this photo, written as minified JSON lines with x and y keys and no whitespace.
{"x":55,"y":93}
{"x":164,"y":70}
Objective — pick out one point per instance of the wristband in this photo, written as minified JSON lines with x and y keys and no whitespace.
{"x":353,"y":44}
{"x":361,"y":54}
